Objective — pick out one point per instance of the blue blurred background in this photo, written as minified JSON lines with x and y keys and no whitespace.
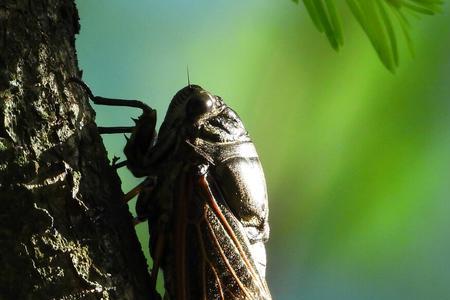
{"x":357,"y":160}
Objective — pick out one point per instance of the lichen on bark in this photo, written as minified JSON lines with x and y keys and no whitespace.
{"x":64,"y":231}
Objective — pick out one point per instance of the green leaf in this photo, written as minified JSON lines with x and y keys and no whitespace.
{"x":379,"y":20}
{"x":325,"y":17}
{"x":390,"y":32}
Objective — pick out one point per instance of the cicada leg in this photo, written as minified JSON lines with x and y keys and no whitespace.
{"x":108,"y":101}
{"x":117,"y":165}
{"x":115,"y":129}
{"x":145,"y":186}
{"x":143,"y":134}
{"x":134,"y":191}
{"x":112,"y":102}
{"x":148,"y":184}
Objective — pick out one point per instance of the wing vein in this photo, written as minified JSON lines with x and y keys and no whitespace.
{"x":213,"y":204}
{"x":205,"y":257}
{"x":227,"y":262}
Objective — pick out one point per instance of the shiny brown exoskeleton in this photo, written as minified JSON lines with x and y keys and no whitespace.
{"x":205,"y":198}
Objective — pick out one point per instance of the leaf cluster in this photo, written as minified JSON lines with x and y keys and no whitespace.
{"x":376,"y":17}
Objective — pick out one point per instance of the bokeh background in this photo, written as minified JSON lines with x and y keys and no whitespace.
{"x":357,"y":160}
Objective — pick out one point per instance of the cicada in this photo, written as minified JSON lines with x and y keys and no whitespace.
{"x":204,"y":197}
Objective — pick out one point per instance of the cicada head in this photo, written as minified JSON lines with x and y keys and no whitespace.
{"x":196,"y":113}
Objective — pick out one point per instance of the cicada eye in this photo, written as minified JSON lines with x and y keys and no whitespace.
{"x":199,"y":104}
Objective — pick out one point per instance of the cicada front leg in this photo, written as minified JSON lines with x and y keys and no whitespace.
{"x":108,"y":101}
{"x":147,"y":111}
{"x":143,"y":133}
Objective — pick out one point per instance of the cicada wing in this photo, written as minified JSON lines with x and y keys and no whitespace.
{"x":228,"y":264}
{"x":211,"y":252}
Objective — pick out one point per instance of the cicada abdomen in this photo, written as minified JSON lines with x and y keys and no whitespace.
{"x":207,"y":205}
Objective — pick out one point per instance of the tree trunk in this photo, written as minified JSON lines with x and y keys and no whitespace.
{"x":64,"y":231}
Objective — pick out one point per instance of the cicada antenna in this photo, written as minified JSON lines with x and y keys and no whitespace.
{"x":187,"y":71}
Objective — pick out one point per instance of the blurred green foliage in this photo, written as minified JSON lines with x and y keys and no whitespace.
{"x":356,"y":160}
{"x":375,"y":17}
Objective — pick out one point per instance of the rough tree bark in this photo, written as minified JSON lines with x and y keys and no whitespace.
{"x":64,"y":232}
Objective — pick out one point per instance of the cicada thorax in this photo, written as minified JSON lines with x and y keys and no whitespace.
{"x":209,"y":204}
